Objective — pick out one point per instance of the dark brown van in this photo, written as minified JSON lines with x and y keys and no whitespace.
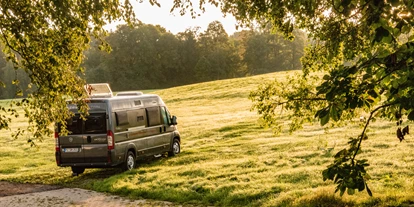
{"x":118,"y":130}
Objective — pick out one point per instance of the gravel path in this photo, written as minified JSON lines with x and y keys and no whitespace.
{"x":22,"y":195}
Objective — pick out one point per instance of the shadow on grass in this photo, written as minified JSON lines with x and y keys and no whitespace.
{"x":324,"y":201}
{"x":239,"y":129}
{"x":228,"y":195}
{"x":62,"y":176}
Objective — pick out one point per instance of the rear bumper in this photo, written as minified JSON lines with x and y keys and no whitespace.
{"x":83,"y":162}
{"x":87,"y":165}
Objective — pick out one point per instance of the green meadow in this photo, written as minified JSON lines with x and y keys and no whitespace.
{"x":227,"y":159}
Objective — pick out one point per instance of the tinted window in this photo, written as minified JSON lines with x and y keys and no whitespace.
{"x":140,"y":117}
{"x":166,"y":116}
{"x":74,"y":125}
{"x":95,"y":124}
{"x":121,"y":118}
{"x":154,"y":116}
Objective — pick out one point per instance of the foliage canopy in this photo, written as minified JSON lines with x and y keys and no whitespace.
{"x":47,"y":40}
{"x":363,"y":53}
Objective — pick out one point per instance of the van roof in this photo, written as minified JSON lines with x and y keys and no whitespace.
{"x":129,"y":93}
{"x":123,"y":102}
{"x":123,"y":97}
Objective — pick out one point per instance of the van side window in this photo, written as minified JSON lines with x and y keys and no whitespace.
{"x":154,"y":116}
{"x":165,"y":116}
{"x":121,"y":118}
{"x":141,"y":117}
{"x":137,"y":118}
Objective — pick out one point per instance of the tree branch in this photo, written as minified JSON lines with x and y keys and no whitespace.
{"x":365,"y":127}
{"x":302,"y":99}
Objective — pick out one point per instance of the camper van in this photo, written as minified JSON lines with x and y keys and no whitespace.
{"x":118,"y":130}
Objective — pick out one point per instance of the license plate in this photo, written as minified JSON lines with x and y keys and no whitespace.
{"x":71,"y":149}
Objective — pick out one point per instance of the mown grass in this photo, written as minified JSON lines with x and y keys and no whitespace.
{"x":228,"y":160}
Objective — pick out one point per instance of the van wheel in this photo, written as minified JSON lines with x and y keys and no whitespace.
{"x":78,"y":170}
{"x":176,"y":148}
{"x":129,"y":163}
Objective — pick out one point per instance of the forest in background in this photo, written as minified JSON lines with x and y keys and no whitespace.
{"x":149,"y":57}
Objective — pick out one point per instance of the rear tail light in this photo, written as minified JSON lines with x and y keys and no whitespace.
{"x":111,"y":142}
{"x":57,"y":148}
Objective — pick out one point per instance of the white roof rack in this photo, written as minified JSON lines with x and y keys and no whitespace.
{"x":98,"y":90}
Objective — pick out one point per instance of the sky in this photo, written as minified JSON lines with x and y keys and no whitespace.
{"x":176,"y":23}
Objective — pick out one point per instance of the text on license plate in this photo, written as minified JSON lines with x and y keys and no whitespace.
{"x":71,"y":149}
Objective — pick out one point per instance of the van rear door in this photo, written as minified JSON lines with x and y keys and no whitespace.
{"x":86,"y":141}
{"x":95,"y":145}
{"x":71,"y":145}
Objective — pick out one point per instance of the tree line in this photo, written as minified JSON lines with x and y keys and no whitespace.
{"x":149,"y":57}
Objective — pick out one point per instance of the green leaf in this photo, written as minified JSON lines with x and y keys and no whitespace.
{"x":361,"y":186}
{"x":394,"y":3}
{"x":341,"y":153}
{"x":325,"y":174}
{"x":15,"y":82}
{"x":411,"y":115}
{"x":382,"y":35}
{"x":325,"y":119}
{"x":19,"y":92}
{"x":351,"y":191}
{"x":323,"y":115}
{"x":342,"y":190}
{"x":405,"y":29}
{"x":335,"y":114}
{"x":368,"y":190}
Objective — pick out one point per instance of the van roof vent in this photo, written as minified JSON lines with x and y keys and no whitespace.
{"x":129,"y":93}
{"x":98,"y":90}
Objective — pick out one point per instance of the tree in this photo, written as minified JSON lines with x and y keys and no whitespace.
{"x":189,"y":52}
{"x":240,"y":40}
{"x":94,"y":64}
{"x":3,"y":64}
{"x":256,"y":54}
{"x":267,"y":52}
{"x":294,"y":50}
{"x":376,"y":41}
{"x":46,"y":39}
{"x":218,"y":56}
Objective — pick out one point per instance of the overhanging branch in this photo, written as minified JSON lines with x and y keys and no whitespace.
{"x":365,"y":128}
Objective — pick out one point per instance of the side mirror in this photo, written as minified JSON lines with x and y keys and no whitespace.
{"x":174,"y":120}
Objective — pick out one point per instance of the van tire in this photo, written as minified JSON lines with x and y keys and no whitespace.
{"x":78,"y":170}
{"x":175,"y":148}
{"x":130,"y":162}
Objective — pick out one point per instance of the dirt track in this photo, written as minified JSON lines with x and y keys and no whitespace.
{"x":33,"y":195}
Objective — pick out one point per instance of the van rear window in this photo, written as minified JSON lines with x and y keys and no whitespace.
{"x":74,"y":125}
{"x":94,"y":124}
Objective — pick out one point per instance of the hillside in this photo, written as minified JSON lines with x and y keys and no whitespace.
{"x":228,"y":160}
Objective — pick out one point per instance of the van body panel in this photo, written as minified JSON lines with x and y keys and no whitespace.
{"x":71,"y":149}
{"x":96,"y":148}
{"x":141,"y":124}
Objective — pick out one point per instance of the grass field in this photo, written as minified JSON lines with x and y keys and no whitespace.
{"x":228,"y":160}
